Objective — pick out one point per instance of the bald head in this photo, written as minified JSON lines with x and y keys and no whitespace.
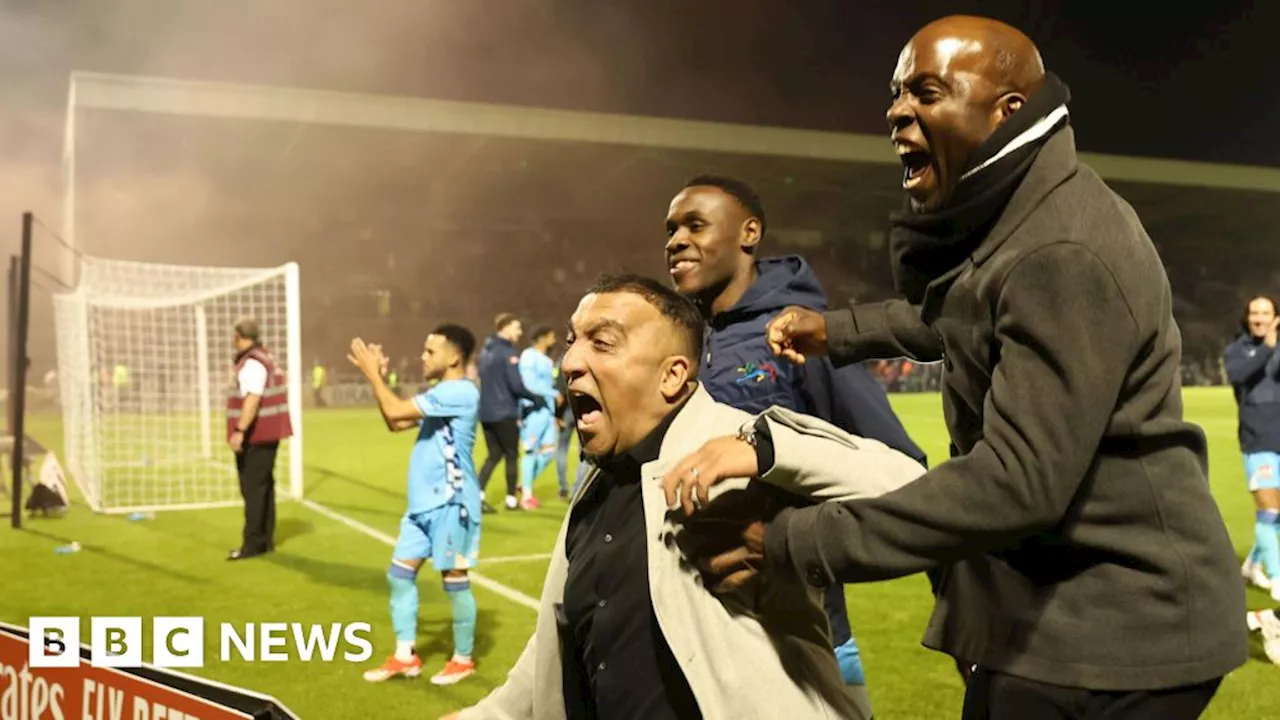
{"x":956,"y":81}
{"x":1006,"y":55}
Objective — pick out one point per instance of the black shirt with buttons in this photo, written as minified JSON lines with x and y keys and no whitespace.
{"x":617,"y":663}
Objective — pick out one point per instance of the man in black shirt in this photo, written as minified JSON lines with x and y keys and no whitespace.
{"x":618,"y":664}
{"x":626,"y":627}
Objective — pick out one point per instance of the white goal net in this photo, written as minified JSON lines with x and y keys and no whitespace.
{"x":145,"y":364}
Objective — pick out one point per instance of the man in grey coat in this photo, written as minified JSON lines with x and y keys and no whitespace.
{"x":1086,"y":571}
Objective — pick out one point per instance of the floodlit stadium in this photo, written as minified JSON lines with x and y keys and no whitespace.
{"x":205,"y":193}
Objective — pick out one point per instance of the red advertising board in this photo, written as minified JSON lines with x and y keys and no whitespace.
{"x":94,"y":693}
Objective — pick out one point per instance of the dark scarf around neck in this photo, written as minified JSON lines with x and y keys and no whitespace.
{"x":926,"y":246}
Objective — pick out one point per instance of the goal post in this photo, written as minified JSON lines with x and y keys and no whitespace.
{"x":145,"y":359}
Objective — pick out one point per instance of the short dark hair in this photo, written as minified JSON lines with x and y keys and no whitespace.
{"x":501,"y":322}
{"x":248,"y":329}
{"x":540,"y":332}
{"x":459,"y":337}
{"x":673,"y":306}
{"x":1244,"y":316}
{"x":739,"y":189}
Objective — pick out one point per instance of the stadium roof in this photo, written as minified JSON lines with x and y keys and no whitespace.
{"x":321,"y":154}
{"x":185,"y":97}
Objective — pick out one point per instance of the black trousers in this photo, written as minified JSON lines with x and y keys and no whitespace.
{"x":502,"y":438}
{"x":996,"y":696}
{"x":256,"y":466}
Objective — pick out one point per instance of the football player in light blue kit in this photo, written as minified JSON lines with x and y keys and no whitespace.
{"x":537,"y":422}
{"x":442,"y":521}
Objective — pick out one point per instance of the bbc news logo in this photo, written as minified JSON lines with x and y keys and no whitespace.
{"x":179,"y":642}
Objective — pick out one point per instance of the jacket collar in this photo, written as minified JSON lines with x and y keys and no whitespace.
{"x":1055,"y":165}
{"x":686,"y":433}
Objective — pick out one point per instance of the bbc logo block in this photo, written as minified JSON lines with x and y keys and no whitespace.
{"x":116,"y":642}
{"x":179,"y":642}
{"x":54,"y":642}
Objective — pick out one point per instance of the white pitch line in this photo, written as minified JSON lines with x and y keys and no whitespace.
{"x":516,"y":558}
{"x":492,"y":585}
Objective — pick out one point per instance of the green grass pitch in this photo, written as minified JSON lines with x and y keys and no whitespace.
{"x":325,"y":571}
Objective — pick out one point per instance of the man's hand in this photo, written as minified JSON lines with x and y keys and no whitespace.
{"x":368,"y":358}
{"x":726,"y":541}
{"x":236,"y":442}
{"x":736,"y":567}
{"x":1270,"y":338}
{"x":717,"y":460}
{"x":797,"y":333}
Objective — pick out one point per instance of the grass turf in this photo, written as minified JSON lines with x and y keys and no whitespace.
{"x":324,"y":572}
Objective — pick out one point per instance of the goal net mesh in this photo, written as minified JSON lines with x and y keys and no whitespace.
{"x":145,"y":364}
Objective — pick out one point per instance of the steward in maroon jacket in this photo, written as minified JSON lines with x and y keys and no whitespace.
{"x":257,"y":420}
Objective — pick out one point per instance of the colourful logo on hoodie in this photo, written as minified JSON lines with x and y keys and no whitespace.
{"x":752,"y":372}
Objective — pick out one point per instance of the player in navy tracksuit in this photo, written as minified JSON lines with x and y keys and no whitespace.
{"x":1253,"y":368}
{"x":501,"y":390}
{"x":714,"y":226}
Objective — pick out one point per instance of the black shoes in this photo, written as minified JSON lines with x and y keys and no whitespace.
{"x":242,"y":554}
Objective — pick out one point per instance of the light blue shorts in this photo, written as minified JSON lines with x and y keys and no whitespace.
{"x":446,"y":534}
{"x":538,"y":432}
{"x":1262,"y":470}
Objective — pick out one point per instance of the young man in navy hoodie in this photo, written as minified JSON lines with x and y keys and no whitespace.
{"x":714,"y":228}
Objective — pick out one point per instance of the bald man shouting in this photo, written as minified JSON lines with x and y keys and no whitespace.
{"x":1085,"y":569}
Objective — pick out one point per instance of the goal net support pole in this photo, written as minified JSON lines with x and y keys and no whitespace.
{"x":203,"y":381}
{"x":293,"y":318}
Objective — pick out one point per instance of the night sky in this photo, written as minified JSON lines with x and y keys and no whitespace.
{"x":1193,"y":83}
{"x":1199,"y":83}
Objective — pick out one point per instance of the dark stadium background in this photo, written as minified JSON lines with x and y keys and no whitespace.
{"x":467,"y":229}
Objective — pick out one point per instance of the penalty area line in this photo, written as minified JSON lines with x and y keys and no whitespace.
{"x":493,"y":586}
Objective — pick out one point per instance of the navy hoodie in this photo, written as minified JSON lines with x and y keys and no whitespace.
{"x":500,"y":384}
{"x":738,"y":368}
{"x":1254,"y":372}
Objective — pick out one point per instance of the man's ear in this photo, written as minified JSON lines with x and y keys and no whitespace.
{"x":1008,"y":105}
{"x":676,"y":374}
{"x":751,"y":234}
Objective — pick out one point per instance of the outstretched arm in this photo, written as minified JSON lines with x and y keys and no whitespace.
{"x":1049,"y":405}
{"x":888,"y":329}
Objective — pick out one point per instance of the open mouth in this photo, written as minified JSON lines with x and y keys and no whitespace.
{"x":680,"y":267}
{"x":587,"y":411}
{"x":916,"y":164}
